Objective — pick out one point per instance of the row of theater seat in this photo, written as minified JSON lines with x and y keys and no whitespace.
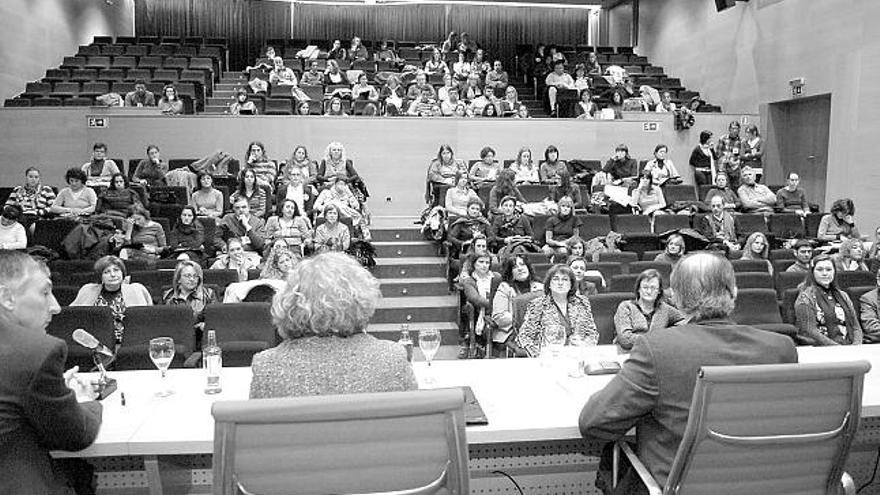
{"x":160,"y":40}
{"x":243,"y":329}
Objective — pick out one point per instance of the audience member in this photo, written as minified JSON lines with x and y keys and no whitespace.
{"x":480,"y":63}
{"x":45,"y":408}
{"x":551,"y":166}
{"x":279,"y":263}
{"x":674,"y":252}
{"x":472,"y":93}
{"x":503,"y":187}
{"x":450,"y":44}
{"x":586,"y":108}
{"x":99,"y":170}
{"x":566,"y":188}
{"x":578,"y":266}
{"x":705,"y":291}
{"x":647,"y":312}
{"x":300,"y":160}
{"x":363,"y":90}
{"x":756,"y":247}
{"x":385,"y":53}
{"x":592,"y":65}
{"x":332,"y":235}
{"x":728,"y":147}
{"x":333,"y":76}
{"x":525,"y":169}
{"x":143,"y":239}
{"x":297,"y":190}
{"x":243,"y":105}
{"x":76,"y":200}
{"x":511,"y":231}
{"x":517,"y":278}
{"x":435,"y":64}
{"x":466,"y":45}
{"x":207,"y":200}
{"x":459,"y":197}
{"x":336,"y":52}
{"x":462,"y":69}
{"x":561,"y":227}
{"x":755,"y":198}
{"x":442,"y":171}
{"x":312,"y":77}
{"x":392,"y":94}
{"x":170,"y":103}
{"x":357,"y":51}
{"x":824,"y":314}
{"x":556,"y":80}
{"x":581,"y":78}
{"x":803,"y":254}
{"x":523,"y":113}
{"x":463,"y":229}
{"x":666,"y":105}
{"x":851,"y":257}
{"x":141,"y":96}
{"x":235,"y":259}
{"x":256,"y":158}
{"x":335,"y":108}
{"x":718,"y":226}
{"x":614,"y":109}
{"x":334,"y":163}
{"x":508,"y":105}
{"x":497,"y":77}
{"x":791,"y":198}
{"x":339,"y":195}
{"x":289,"y":228}
{"x":118,"y":199}
{"x":869,"y":304}
{"x":485,"y":170}
{"x":243,"y":225}
{"x":322,"y":315}
{"x":490,"y":110}
{"x":479,"y":290}
{"x":33,"y":198}
{"x":729,"y":198}
{"x":12,"y":232}
{"x":559,"y":315}
{"x":417,"y":88}
{"x":302,"y":109}
{"x":839,"y":223}
{"x":661,"y":168}
{"x":113,"y":291}
{"x":449,"y":84}
{"x":249,"y":190}
{"x":151,"y":170}
{"x":621,"y":168}
{"x":424,"y":105}
{"x":647,"y":198}
{"x":752,"y":148}
{"x":187,"y":238}
{"x":188,"y":288}
{"x":703,"y":159}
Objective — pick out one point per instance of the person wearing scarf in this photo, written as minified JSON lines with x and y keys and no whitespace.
{"x":510,"y":229}
{"x":824,"y":314}
{"x":188,"y":235}
{"x":463,"y":230}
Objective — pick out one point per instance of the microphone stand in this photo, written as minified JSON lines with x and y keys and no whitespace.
{"x":104,"y":385}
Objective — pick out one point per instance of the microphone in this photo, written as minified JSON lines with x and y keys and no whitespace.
{"x":89,"y":341}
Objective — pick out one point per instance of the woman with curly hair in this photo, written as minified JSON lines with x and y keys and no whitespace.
{"x":525,"y":168}
{"x":322,"y":315}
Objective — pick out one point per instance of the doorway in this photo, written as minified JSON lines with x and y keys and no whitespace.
{"x":797,"y":141}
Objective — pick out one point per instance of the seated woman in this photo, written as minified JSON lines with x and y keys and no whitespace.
{"x":266,"y":170}
{"x":113,"y":291}
{"x":479,"y":290}
{"x":392,"y":94}
{"x":838,"y":224}
{"x":485,"y":170}
{"x":322,"y":315}
{"x":12,"y":233}
{"x":851,"y":256}
{"x":357,"y":51}
{"x":299,"y":191}
{"x":730,"y":198}
{"x":508,"y":105}
{"x":333,"y":76}
{"x":561,"y":227}
{"x":207,"y":201}
{"x":118,"y":199}
{"x":151,"y":171}
{"x":77,"y":199}
{"x":463,"y":266}
{"x":558,"y":315}
{"x":188,"y":288}
{"x":583,"y":286}
{"x":302,"y":109}
{"x":249,"y":189}
{"x":551,"y":166}
{"x":511,"y":232}
{"x":340,"y":196}
{"x":756,"y":247}
{"x":592,"y":64}
{"x":170,"y":103}
{"x":459,"y":197}
{"x":332,"y":235}
{"x":489,"y":110}
{"x":300,"y":160}
{"x":187,"y":238}
{"x":463,"y":229}
{"x":279,"y":262}
{"x":517,"y":278}
{"x":503,"y":187}
{"x":362,"y":90}
{"x":442,"y":172}
{"x":282,"y":76}
{"x":621,"y":168}
{"x":648,"y":312}
{"x":824,"y":314}
{"x":526,"y":170}
{"x":385,"y":53}
{"x":290,"y":229}
{"x":586,"y":108}
{"x":243,"y":105}
{"x":661,"y":168}
{"x":647,"y":198}
{"x":235,"y":259}
{"x":143,"y":239}
{"x":436,"y":64}
{"x":334,"y":163}
{"x":566,"y":188}
{"x":675,"y":250}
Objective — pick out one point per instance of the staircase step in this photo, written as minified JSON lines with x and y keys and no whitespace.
{"x":391,"y":331}
{"x":409,"y":267}
{"x":414,"y":287}
{"x":417,"y":309}
{"x":403,"y":249}
{"x":214,"y":109}
{"x":397,"y":234}
{"x":215,"y":101}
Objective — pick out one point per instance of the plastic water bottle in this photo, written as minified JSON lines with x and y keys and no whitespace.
{"x":406,"y":341}
{"x":212,"y":361}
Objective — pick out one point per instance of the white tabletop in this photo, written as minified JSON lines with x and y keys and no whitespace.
{"x":524,"y":400}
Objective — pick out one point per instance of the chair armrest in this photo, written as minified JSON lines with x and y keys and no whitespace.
{"x":641,"y":470}
{"x":193,"y":360}
{"x":847,"y":485}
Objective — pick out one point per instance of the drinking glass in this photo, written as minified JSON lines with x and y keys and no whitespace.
{"x":554,"y":340}
{"x":162,"y":352}
{"x":429,"y":343}
{"x":575,"y":351}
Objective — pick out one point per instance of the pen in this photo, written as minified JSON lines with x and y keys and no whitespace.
{"x":122,"y":396}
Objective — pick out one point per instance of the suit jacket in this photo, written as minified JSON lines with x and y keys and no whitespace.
{"x":653,"y":391}
{"x":230,"y":226}
{"x":38,"y":413}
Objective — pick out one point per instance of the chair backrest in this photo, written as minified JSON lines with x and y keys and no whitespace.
{"x":855,"y":293}
{"x":855,"y":279}
{"x":759,"y":423}
{"x":619,"y":257}
{"x":631,"y":224}
{"x":787,"y":225}
{"x":754,"y":280}
{"x":665,"y":269}
{"x":243,"y":329}
{"x":665,"y":223}
{"x":520,"y":304}
{"x":622,"y":283}
{"x":750,"y":265}
{"x":143,"y":323}
{"x":788,"y":280}
{"x":97,"y":320}
{"x":403,"y":442}
{"x":756,"y":306}
{"x":594,"y":226}
{"x":604,"y":306}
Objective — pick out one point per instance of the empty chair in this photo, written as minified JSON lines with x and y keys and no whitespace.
{"x":143,"y":323}
{"x":268,"y":445}
{"x":53,"y":75}
{"x":124,"y":62}
{"x":163,"y":50}
{"x":594,"y":226}
{"x":98,"y":62}
{"x":787,"y":226}
{"x":631,"y":224}
{"x":166,"y":76}
{"x":747,"y":223}
{"x":220,"y":278}
{"x":679,"y":192}
{"x":97,"y":320}
{"x":78,"y":101}
{"x":243,"y":329}
{"x":112,"y":50}
{"x":665,"y":269}
{"x":176,"y":63}
{"x":604,"y":306}
{"x":665,"y":223}
{"x":855,"y":279}
{"x":811,"y":224}
{"x":88,"y":50}
{"x":111,"y":75}
{"x":83,"y":75}
{"x":46,"y":101}
{"x":137,"y":50}
{"x":153,"y":280}
{"x":754,"y":280}
{"x":36,"y":89}
{"x":788,"y":280}
{"x":622,"y":257}
{"x":102,"y":40}
{"x":623,"y":283}
{"x":150,"y":62}
{"x":758,"y":308}
{"x":749,"y":265}
{"x":782,"y":254}
{"x":781,"y":265}
{"x":65,"y":89}
{"x":751,"y":428}
{"x":65,"y":294}
{"x":77,"y":62}
{"x":17,"y":102}
{"x":278,"y":106}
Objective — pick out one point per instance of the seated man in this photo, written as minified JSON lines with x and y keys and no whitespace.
{"x":718,"y":226}
{"x":33,"y":198}
{"x":722,"y":189}
{"x":243,"y":225}
{"x":803,"y":253}
{"x":313,"y":77}
{"x":415,"y":90}
{"x":755,"y":198}
{"x":704,"y":289}
{"x":556,"y":80}
{"x":791,"y":198}
{"x":497,"y":77}
{"x":424,"y":106}
{"x":870,"y":314}
{"x":141,"y":96}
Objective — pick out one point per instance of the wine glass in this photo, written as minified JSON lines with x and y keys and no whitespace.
{"x":162,"y":352}
{"x":429,"y":343}
{"x":575,"y":350}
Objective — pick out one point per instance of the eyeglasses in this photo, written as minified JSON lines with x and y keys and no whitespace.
{"x":189,"y":276}
{"x":560,"y":279}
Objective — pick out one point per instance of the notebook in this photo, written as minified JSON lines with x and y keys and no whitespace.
{"x":473,"y":412}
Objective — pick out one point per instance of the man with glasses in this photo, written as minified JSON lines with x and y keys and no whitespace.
{"x":803,"y":253}
{"x":719,"y":225}
{"x":870,"y":314}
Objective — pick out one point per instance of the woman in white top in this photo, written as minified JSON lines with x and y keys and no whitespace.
{"x":526,"y":170}
{"x":77,"y":199}
{"x":457,"y":197}
{"x":648,"y":198}
{"x":662,"y":169}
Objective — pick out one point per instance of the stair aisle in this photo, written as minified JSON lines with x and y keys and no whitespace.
{"x":413,"y":284}
{"x":224,"y":92}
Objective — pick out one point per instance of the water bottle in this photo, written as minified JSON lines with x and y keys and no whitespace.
{"x":406,"y":341}
{"x":212,"y":361}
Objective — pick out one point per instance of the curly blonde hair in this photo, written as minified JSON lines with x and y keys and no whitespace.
{"x":329,"y":294}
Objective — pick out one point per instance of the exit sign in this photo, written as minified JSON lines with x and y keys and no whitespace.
{"x":797,"y":91}
{"x":98,"y":122}
{"x":651,"y":126}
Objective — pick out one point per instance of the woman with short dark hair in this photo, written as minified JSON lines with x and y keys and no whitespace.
{"x":646,"y":312}
{"x":517,"y":278}
{"x":118,"y":199}
{"x":77,"y":199}
{"x":824,"y":314}
{"x":703,"y":159}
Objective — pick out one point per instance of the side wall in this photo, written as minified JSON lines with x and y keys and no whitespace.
{"x":391,"y":154}
{"x":37,"y":35}
{"x":743,"y":58}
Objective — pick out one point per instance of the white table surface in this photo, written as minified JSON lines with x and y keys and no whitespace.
{"x":524,"y":400}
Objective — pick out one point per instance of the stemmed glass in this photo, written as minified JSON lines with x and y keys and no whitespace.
{"x":429,"y":343}
{"x":162,"y":352}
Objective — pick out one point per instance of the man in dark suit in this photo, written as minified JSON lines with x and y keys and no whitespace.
{"x":42,"y":407}
{"x":653,"y":391}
